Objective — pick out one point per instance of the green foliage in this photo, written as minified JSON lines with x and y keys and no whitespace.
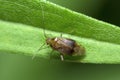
{"x":100,"y":39}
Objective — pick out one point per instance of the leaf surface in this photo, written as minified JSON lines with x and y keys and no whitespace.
{"x":100,"y":39}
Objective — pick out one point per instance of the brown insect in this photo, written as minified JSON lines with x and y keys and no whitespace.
{"x":65,"y":46}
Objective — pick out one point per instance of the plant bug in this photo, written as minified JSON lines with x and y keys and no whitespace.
{"x":63,"y":45}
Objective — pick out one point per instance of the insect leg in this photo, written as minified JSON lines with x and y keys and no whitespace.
{"x":51,"y":54}
{"x":41,"y":46}
{"x":39,"y":49}
{"x":62,"y":58}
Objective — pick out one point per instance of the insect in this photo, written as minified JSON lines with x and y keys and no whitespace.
{"x":65,"y":46}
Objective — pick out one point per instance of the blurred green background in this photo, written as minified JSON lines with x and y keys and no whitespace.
{"x":20,"y":67}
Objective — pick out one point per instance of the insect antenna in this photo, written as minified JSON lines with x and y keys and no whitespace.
{"x":43,"y":24}
{"x":43,"y":20}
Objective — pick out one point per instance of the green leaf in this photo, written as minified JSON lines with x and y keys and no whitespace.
{"x":101,"y":40}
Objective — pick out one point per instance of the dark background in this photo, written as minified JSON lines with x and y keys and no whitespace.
{"x":105,"y":10}
{"x":20,"y":67}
